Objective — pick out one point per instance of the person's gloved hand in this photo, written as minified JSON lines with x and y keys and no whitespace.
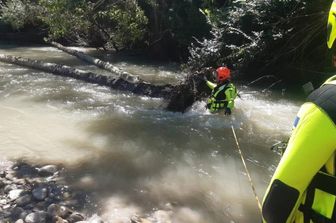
{"x":227,"y":111}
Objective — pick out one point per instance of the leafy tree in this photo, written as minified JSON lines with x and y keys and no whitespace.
{"x":120,"y":23}
{"x":66,"y":19}
{"x":259,"y":37}
{"x":116,"y":23}
{"x":19,"y":13}
{"x":172,"y":26}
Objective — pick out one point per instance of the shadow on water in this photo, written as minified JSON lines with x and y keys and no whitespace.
{"x":151,"y":162}
{"x":149,"y":158}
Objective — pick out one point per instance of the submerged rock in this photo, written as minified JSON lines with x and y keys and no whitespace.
{"x":27,"y":195}
{"x":53,"y":210}
{"x":16,"y":213}
{"x":40,"y":193}
{"x":24,"y":214}
{"x":2,"y":173}
{"x":37,"y":217}
{"x":14,"y":194}
{"x":58,"y":210}
{"x":58,"y":219}
{"x":75,"y":217}
{"x":24,"y":200}
{"x":47,"y":170}
{"x":3,"y":202}
{"x":9,"y":187}
{"x":137,"y":219}
{"x":64,"y":212}
{"x":25,"y":170}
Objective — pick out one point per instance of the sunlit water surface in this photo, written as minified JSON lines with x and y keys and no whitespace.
{"x":134,"y":156}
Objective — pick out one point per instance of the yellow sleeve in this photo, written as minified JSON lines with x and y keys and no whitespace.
{"x":211,"y":85}
{"x":312,"y":143}
{"x":231,"y":94}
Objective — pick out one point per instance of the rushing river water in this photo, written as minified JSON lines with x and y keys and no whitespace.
{"x":134,"y":156}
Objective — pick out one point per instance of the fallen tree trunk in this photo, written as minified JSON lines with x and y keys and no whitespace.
{"x":139,"y":88}
{"x":97,"y":62}
{"x":182,"y":96}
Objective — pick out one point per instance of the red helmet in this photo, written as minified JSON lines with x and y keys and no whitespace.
{"x":223,"y":73}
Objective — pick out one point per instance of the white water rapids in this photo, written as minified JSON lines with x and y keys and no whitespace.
{"x":135,"y":156}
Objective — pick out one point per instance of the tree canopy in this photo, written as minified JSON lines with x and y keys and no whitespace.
{"x":256,"y":37}
{"x":263,"y":36}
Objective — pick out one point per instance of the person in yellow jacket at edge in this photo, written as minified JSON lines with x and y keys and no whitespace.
{"x":303,"y":187}
{"x":223,"y":93}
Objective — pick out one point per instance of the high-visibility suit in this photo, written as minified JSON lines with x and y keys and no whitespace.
{"x":222,"y":96}
{"x":303,"y":187}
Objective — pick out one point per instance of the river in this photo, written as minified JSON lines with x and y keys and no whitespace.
{"x":131,"y":154}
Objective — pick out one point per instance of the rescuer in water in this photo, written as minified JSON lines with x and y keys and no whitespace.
{"x":223,"y":92}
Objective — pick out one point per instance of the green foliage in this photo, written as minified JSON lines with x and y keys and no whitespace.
{"x":66,"y":18}
{"x":167,"y":27}
{"x":173,"y":25}
{"x":19,"y":13}
{"x":118,"y":24}
{"x":122,"y":23}
{"x":259,"y":37}
{"x":184,"y":22}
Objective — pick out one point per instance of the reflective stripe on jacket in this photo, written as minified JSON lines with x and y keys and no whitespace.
{"x":222,"y":96}
{"x":303,"y":187}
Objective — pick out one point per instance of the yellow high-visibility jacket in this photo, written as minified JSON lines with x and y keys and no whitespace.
{"x":222,"y":96}
{"x":303,"y":187}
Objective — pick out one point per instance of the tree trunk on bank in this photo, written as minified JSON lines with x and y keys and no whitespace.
{"x":139,"y":88}
{"x":97,"y":62}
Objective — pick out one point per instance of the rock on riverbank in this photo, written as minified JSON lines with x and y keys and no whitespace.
{"x":38,"y":194}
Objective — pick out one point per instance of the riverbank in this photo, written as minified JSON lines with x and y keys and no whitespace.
{"x":32,"y":36}
{"x":37,"y":194}
{"x":40,"y":194}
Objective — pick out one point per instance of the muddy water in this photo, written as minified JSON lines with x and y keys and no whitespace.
{"x":134,"y":156}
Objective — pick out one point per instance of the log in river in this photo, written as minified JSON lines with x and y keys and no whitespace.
{"x":114,"y":82}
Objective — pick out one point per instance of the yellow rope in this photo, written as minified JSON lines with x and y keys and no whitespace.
{"x":246,"y":170}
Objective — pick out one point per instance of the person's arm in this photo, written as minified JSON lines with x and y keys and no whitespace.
{"x":211,"y":85}
{"x":312,"y":143}
{"x":231,"y":94}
